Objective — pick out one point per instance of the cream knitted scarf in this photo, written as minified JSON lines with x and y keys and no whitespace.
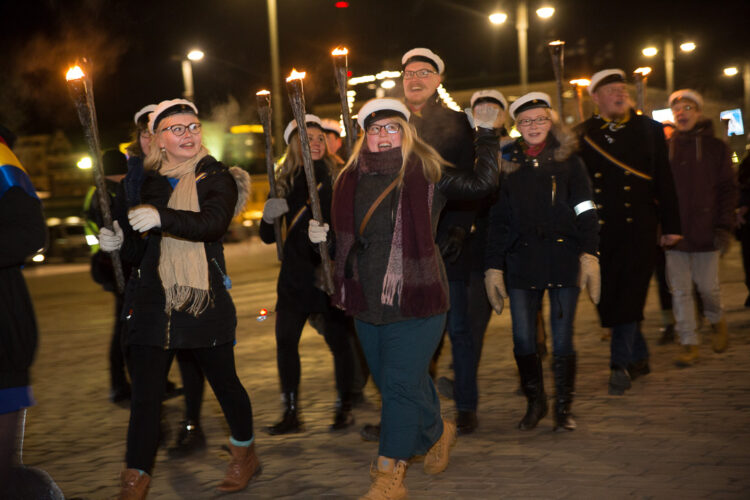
{"x":182,"y":265}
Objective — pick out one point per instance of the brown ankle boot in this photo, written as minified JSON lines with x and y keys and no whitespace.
{"x":387,"y":480}
{"x":437,"y":458}
{"x":241,"y":469}
{"x":720,"y":340}
{"x":133,"y":485}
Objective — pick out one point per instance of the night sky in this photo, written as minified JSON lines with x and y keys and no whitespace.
{"x":134,"y":45}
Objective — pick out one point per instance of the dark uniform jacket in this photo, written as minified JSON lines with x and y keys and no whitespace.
{"x":451,"y":135}
{"x":544,"y":218}
{"x":148,"y":324}
{"x":22,"y":233}
{"x":296,"y":288}
{"x":705,"y":183}
{"x":634,"y":193}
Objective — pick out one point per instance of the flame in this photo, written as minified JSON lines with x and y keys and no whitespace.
{"x":294,"y":75}
{"x":74,"y":73}
{"x":557,"y":42}
{"x":581,"y":82}
{"x":643,"y":71}
{"x":340,"y":51}
{"x":263,"y":92}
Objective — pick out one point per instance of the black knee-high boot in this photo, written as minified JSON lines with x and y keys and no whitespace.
{"x":290,"y":421}
{"x":532,"y":383}
{"x":565,"y":374}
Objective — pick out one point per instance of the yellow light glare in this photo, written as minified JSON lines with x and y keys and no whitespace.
{"x":498,"y":18}
{"x":643,"y":71}
{"x":262,"y":92}
{"x":731,"y":71}
{"x":85,"y":163}
{"x":581,"y":82}
{"x":246,"y":129}
{"x":388,"y":84}
{"x":340,"y":51}
{"x":196,"y":55}
{"x":295,"y":75}
{"x":650,"y":51}
{"x":74,"y":73}
{"x":38,"y":258}
{"x":687,"y":47}
{"x":545,"y":12}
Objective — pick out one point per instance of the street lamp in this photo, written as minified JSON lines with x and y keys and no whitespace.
{"x":651,"y":51}
{"x":731,"y":71}
{"x":194,"y":55}
{"x":545,"y":12}
{"x":498,"y":18}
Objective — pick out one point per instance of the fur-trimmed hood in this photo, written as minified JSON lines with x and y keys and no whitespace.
{"x":242,"y":178}
{"x":561,"y":144}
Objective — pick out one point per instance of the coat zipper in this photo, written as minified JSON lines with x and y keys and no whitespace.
{"x":554,"y":189}
{"x":169,"y":327}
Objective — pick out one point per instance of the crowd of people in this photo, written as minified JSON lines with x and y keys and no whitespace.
{"x":434,"y":219}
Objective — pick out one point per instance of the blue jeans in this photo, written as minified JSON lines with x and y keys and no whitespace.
{"x":463,"y":348}
{"x":628,"y":345}
{"x":398,"y":355}
{"x":524,"y":306}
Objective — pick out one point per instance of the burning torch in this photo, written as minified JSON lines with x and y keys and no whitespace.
{"x":578,"y":86}
{"x":297,"y":101}
{"x":641,"y":78}
{"x":340,"y":70}
{"x":264,"y":110}
{"x":81,"y":90}
{"x":556,"y":52}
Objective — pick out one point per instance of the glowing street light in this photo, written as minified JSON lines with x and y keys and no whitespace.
{"x":687,"y":46}
{"x":731,"y":71}
{"x":195,"y":55}
{"x":650,"y":51}
{"x":545,"y":12}
{"x":85,"y":163}
{"x":187,"y":72}
{"x":388,"y":84}
{"x":498,"y":18}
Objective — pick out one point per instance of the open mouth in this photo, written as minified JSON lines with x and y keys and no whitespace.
{"x":384,"y":145}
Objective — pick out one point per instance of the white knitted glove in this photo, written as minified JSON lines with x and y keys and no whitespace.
{"x":144,"y":217}
{"x":274,"y":208}
{"x":485,"y":115}
{"x":494,"y":283}
{"x":109,"y":240}
{"x":590,"y":277}
{"x":316,"y":232}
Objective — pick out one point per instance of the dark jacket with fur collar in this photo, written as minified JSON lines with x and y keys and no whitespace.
{"x":544,"y":217}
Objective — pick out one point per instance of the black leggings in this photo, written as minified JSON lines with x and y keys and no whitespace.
{"x":289,"y":326}
{"x":147,"y":367}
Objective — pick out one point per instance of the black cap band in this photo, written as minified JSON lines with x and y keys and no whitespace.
{"x":488,"y":99}
{"x":422,"y":59}
{"x":173,"y":110}
{"x":533,"y":104}
{"x":380,"y":114}
{"x":615,"y":78}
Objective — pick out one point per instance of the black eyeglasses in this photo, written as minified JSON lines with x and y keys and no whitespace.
{"x":179,"y":130}
{"x":422,"y":73}
{"x":391,"y":128}
{"x":539,"y":120}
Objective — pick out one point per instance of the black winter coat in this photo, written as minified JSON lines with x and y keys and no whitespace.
{"x":22,"y":232}
{"x":631,"y":203}
{"x":535,"y":233}
{"x":296,"y":288}
{"x":451,"y":135}
{"x":148,"y":324}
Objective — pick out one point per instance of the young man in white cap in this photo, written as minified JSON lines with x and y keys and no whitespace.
{"x":332,"y":130}
{"x":707,"y":194}
{"x":626,"y":156}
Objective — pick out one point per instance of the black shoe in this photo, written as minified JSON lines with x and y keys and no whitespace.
{"x":445,"y":387}
{"x":639,"y":369}
{"x":667,"y":335}
{"x":466,"y":422}
{"x":532,"y":382}
{"x":120,"y":394}
{"x":341,"y":420}
{"x":565,"y":375}
{"x":190,"y":439}
{"x":290,"y":421}
{"x":619,"y":382}
{"x":370,"y":432}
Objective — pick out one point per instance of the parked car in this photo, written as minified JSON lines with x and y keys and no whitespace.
{"x":68,"y":239}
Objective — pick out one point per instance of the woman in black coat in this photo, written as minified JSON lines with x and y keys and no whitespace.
{"x":299,"y":295}
{"x":181,"y":299}
{"x":543,"y":235}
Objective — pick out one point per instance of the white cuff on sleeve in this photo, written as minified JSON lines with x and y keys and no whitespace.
{"x":584,"y":206}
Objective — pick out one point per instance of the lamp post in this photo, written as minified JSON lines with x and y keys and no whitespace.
{"x":734,"y":71}
{"x":669,"y":58}
{"x":194,"y":55}
{"x":273,"y":38}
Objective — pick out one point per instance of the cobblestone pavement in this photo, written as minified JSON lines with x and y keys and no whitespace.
{"x":679,"y":433}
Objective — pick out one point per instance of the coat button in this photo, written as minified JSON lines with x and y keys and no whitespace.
{"x":597,"y":190}
{"x":560,"y":240}
{"x":627,"y":204}
{"x":549,"y":284}
{"x":629,"y":220}
{"x":601,"y":222}
{"x":627,"y":173}
{"x":599,"y":206}
{"x":598,"y":174}
{"x":626,"y":188}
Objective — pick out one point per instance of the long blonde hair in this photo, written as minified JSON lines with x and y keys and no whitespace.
{"x":287,"y":171}
{"x":432,"y":162}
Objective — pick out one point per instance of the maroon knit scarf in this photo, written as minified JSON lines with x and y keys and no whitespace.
{"x":414,"y":270}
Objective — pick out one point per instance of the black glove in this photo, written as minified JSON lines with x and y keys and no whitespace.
{"x":451,"y":245}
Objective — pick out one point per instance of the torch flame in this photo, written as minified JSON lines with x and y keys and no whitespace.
{"x":340,"y":51}
{"x":294,"y":75}
{"x":262,"y":92}
{"x":581,"y":82}
{"x":74,"y":73}
{"x":557,"y":42}
{"x":643,"y":71}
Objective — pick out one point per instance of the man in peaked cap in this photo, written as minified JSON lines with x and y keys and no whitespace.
{"x":626,"y":157}
{"x":707,"y":194}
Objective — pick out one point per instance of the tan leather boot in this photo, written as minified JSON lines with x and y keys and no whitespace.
{"x":437,"y":458}
{"x":688,"y":357}
{"x":133,"y":485}
{"x":387,"y":480}
{"x":720,"y":340}
{"x":241,"y":469}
